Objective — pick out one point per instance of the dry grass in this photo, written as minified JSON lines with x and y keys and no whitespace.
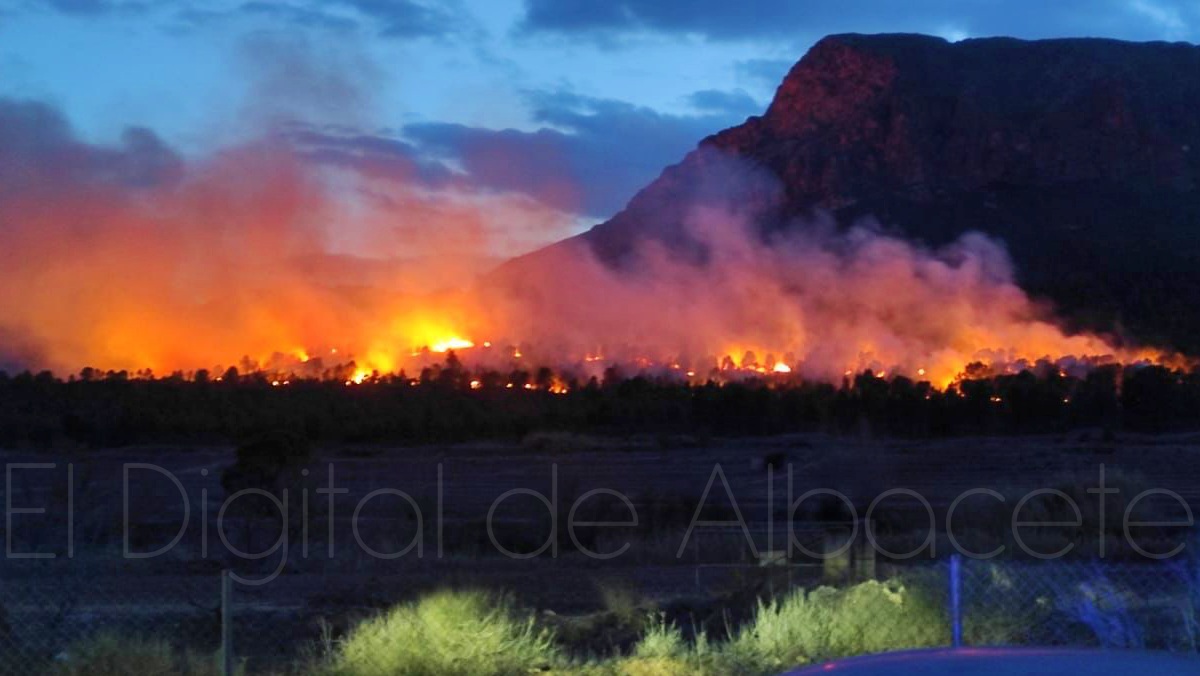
{"x":109,"y":654}
{"x":445,"y":634}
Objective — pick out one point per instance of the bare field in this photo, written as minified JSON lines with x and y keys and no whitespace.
{"x":451,"y":544}
{"x":456,"y":486}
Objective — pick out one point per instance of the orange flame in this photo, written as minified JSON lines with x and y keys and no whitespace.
{"x":233,"y":266}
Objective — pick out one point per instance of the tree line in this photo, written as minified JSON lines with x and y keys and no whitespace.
{"x":448,"y":403}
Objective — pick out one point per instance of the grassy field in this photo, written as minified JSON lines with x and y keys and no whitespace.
{"x":473,"y":633}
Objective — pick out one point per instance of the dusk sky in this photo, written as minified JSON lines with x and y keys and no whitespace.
{"x":491,"y":97}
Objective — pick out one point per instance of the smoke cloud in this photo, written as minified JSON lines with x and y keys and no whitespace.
{"x":130,"y":257}
{"x":811,"y":300}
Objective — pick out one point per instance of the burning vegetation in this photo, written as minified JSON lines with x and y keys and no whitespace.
{"x":239,"y":264}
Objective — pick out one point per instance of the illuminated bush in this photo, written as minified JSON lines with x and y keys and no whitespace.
{"x":662,"y":651}
{"x":657,"y":666}
{"x":446,"y":634}
{"x":827,"y":623}
{"x":460,"y":634}
{"x":662,"y":640}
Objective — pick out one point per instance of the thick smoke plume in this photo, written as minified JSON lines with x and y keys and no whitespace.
{"x":733,"y":291}
{"x":128,"y":257}
{"x":132,"y":258}
{"x":815,"y":302}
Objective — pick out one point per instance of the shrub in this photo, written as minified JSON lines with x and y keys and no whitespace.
{"x":663,"y":651}
{"x":827,"y":623}
{"x":460,"y":634}
{"x":658,"y":666}
{"x":110,"y":654}
{"x":623,"y":602}
{"x":661,"y":640}
{"x":266,"y":460}
{"x":449,"y":633}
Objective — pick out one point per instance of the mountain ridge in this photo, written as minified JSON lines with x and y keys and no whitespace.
{"x":1081,"y":154}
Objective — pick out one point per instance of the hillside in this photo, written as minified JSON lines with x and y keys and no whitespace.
{"x":1082,"y":155}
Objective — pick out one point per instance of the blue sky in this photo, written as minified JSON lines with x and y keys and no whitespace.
{"x":507,"y":96}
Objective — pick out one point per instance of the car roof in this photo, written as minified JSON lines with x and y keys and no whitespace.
{"x":1010,"y":662}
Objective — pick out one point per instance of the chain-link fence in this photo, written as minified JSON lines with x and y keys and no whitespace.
{"x":45,"y":624}
{"x":1139,"y":606}
{"x":190,"y":624}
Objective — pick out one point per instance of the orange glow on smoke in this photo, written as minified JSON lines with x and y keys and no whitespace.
{"x":234,"y":266}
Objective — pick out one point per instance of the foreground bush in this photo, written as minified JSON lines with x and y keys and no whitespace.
{"x":455,"y":633}
{"x":664,"y":651}
{"x":446,"y":634}
{"x":111,"y":654}
{"x":827,"y":623}
{"x":800,"y":628}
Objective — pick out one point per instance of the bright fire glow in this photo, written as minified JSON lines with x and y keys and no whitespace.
{"x":230,"y":267}
{"x":454,"y":343}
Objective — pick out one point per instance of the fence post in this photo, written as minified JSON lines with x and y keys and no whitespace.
{"x":956,"y":601}
{"x":865,"y":553}
{"x":226,"y":624}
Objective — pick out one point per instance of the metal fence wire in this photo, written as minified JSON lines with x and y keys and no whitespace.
{"x":1134,"y":606}
{"x":205,"y":625}
{"x":45,"y":624}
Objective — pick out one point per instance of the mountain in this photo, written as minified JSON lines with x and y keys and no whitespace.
{"x":1081,"y":155}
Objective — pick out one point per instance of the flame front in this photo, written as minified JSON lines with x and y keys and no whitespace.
{"x":452,"y":343}
{"x":231,"y":267}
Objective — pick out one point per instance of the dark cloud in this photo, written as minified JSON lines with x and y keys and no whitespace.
{"x":591,"y":156}
{"x":764,"y":71}
{"x":87,"y":6}
{"x":374,"y":155}
{"x":538,"y":163}
{"x":408,"y":19}
{"x":389,"y":18}
{"x":733,"y":103}
{"x":309,"y":17}
{"x":795,"y":21}
{"x":39,"y":153}
{"x":277,"y":14}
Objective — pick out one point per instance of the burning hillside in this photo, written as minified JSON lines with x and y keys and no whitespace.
{"x":188,"y":279}
{"x":130,"y":258}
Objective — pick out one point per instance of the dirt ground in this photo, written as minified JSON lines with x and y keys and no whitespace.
{"x":663,"y":479}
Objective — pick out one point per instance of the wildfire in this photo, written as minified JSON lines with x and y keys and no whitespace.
{"x":453,"y":343}
{"x":943,"y":371}
{"x":229,"y":269}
